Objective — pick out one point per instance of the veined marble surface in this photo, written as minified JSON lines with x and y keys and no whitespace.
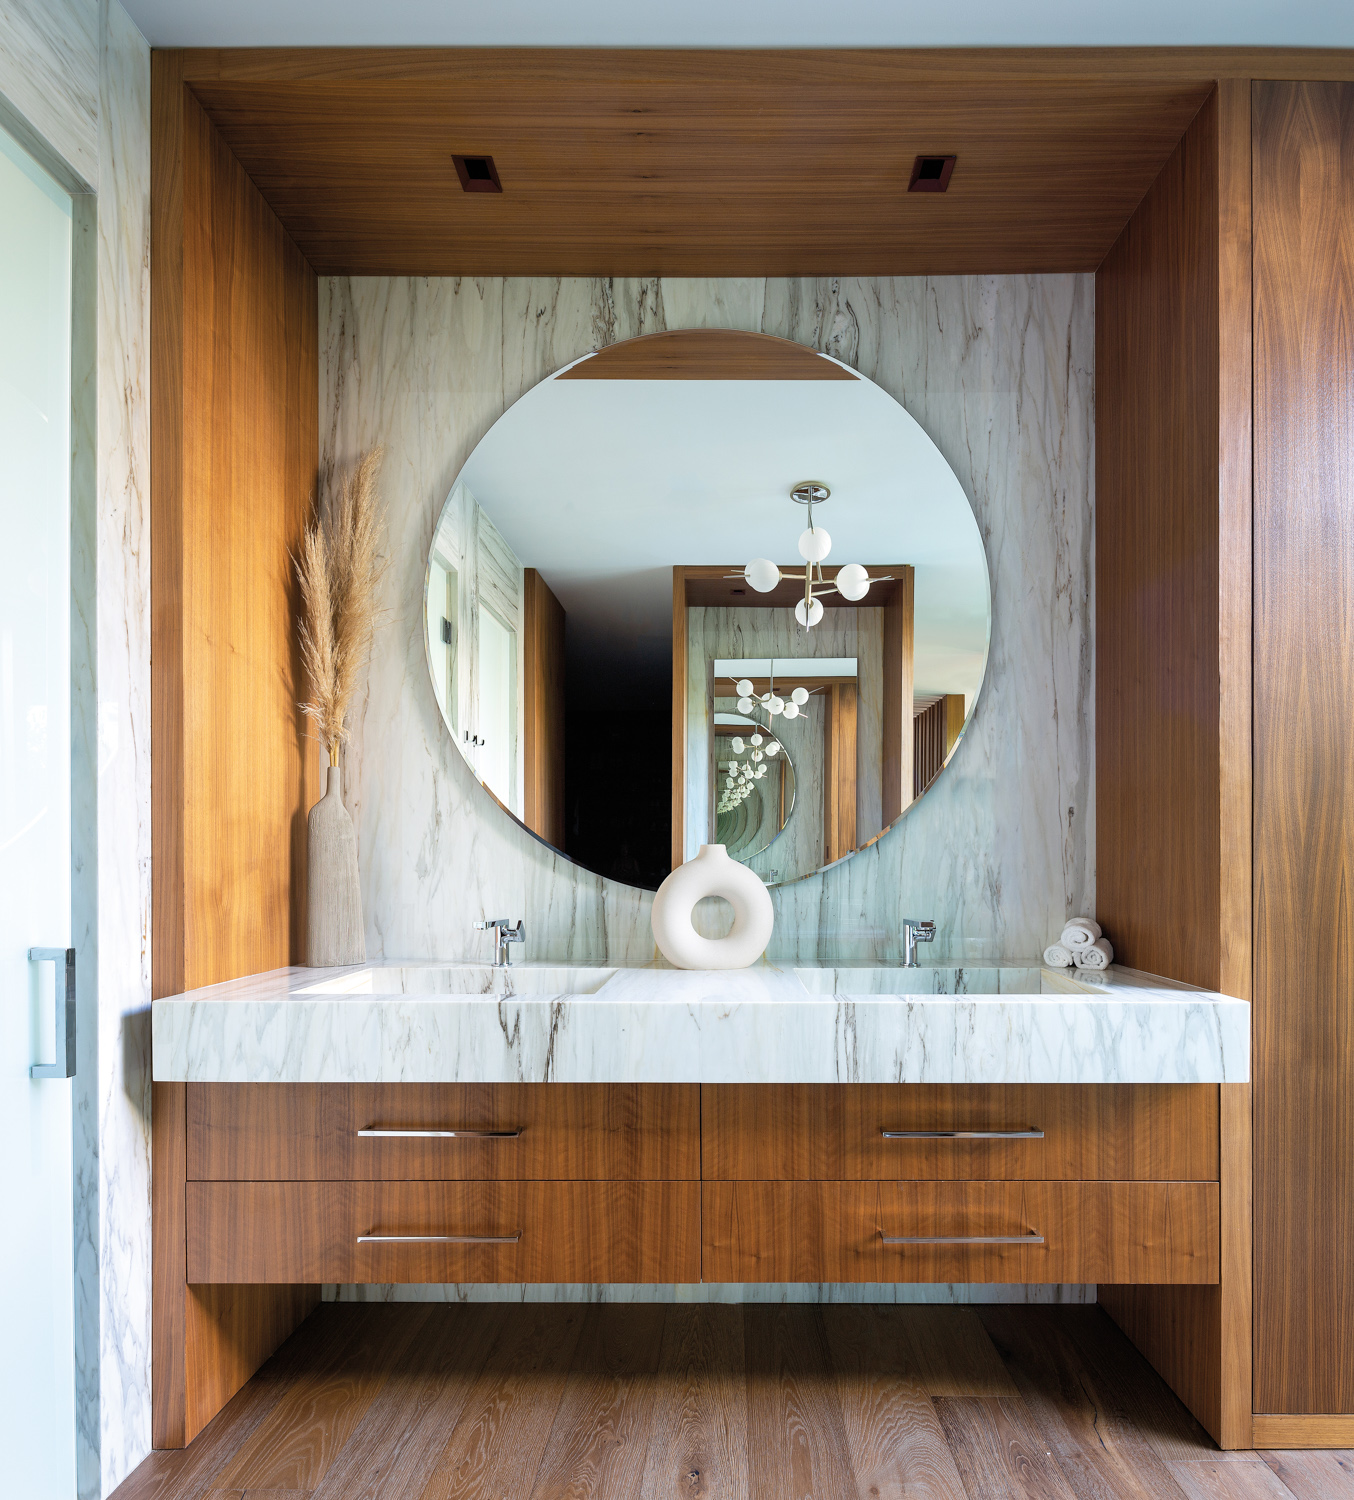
{"x":468,"y":1023}
{"x":997,"y":369}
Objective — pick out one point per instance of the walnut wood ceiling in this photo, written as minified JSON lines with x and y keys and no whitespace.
{"x":698,"y":163}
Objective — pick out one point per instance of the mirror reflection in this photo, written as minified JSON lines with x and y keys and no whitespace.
{"x":680,"y":543}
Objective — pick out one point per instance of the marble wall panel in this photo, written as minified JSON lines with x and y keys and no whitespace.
{"x":124,"y":845}
{"x":998,"y":370}
{"x":49,"y":79}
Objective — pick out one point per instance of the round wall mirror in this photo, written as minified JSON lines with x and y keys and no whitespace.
{"x":685,"y":542}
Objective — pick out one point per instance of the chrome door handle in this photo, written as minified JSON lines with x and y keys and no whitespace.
{"x":1025,"y":1133}
{"x":64,"y":1066}
{"x":429,"y":1133}
{"x":439,"y":1239}
{"x":1033,"y":1238}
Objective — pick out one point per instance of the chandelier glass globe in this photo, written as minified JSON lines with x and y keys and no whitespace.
{"x":745,"y":705}
{"x":809,"y":617}
{"x":852,"y":581}
{"x":792,"y":710}
{"x":800,"y":696}
{"x":814,"y":544}
{"x":762,"y":574}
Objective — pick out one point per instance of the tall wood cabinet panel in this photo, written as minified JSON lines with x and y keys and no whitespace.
{"x":1173,"y":628}
{"x":235,"y":447}
{"x":1303,"y":158}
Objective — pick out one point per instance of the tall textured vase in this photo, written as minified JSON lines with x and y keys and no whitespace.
{"x":334,"y":933}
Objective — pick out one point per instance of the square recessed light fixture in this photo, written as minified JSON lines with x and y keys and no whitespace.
{"x":478,"y":174}
{"x":931,"y":174}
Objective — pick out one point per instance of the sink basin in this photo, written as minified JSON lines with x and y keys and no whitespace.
{"x":925,"y":979}
{"x":464,"y":979}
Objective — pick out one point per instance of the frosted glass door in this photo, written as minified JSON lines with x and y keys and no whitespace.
{"x":37,"y":1356}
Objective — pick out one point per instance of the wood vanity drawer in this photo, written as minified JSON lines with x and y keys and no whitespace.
{"x":568,"y":1231}
{"x":1145,"y":1232}
{"x":834,"y":1132}
{"x":253,"y":1132}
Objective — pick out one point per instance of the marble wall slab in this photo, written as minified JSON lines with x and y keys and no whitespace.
{"x":997,"y":369}
{"x":49,"y":79}
{"x":124,"y":833}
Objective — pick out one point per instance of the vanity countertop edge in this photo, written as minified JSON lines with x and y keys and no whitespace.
{"x":378,"y":1023}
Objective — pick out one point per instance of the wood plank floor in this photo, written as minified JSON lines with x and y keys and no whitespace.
{"x":674,"y":1402}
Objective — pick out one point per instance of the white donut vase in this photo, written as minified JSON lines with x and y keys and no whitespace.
{"x":712,"y":873}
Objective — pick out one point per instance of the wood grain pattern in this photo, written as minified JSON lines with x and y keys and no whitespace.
{"x":600,"y":1437}
{"x":828,"y":1132}
{"x":235,"y":444}
{"x":1100,"y":1452}
{"x":496,"y":1447}
{"x":308,"y":1231}
{"x":795,"y":1430}
{"x":831,"y":1231}
{"x":707,"y":354}
{"x":1199,"y":1338}
{"x":1158,"y":772}
{"x":897,"y":668}
{"x":1304,"y":755}
{"x":265,"y":1132}
{"x":169,"y":1266}
{"x":1173,"y":666}
{"x":695,"y":163}
{"x":1247,"y":1479}
{"x":998,"y":1451}
{"x":543,"y":708}
{"x":839,"y":770}
{"x":228,"y":1333}
{"x":894,"y":1441}
{"x":478,"y":1402}
{"x":302,"y":1435}
{"x":1304,"y":1430}
{"x":235,"y":382}
{"x":406,"y":1425}
{"x":1313,"y":1476}
{"x":698,"y":1437}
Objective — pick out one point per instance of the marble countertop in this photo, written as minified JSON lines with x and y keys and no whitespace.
{"x":422,"y":1022}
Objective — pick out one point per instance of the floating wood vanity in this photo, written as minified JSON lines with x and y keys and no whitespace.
{"x":353,"y":1183}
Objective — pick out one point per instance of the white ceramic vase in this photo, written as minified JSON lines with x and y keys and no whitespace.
{"x":334,"y":933}
{"x":712,"y":873}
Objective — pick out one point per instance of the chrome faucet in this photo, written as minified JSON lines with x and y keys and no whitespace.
{"x":915,"y":932}
{"x":503,"y":935}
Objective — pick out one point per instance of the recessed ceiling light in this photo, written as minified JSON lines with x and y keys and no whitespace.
{"x":478,"y":174}
{"x":931,"y":174}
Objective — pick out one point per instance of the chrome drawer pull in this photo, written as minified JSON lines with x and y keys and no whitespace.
{"x":1032,"y":1238}
{"x":419,"y":1132}
{"x":439,"y":1239}
{"x":1029,"y":1133}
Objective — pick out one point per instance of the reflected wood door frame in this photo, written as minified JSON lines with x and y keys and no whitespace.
{"x":714,"y":586}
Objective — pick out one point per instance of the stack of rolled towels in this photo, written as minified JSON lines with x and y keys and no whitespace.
{"x":1082,"y":943}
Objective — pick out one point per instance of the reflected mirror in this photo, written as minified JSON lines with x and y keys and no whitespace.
{"x":679,"y":552}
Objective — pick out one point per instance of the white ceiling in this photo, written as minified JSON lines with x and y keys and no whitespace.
{"x":744,"y":23}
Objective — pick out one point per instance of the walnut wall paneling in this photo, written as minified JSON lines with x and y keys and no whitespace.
{"x":839,"y":770}
{"x":897,"y":710}
{"x":543,"y":708}
{"x":1303,"y":166}
{"x":1173,"y":669}
{"x":235,"y":443}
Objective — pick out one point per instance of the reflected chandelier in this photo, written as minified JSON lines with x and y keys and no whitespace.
{"x":852,"y":581}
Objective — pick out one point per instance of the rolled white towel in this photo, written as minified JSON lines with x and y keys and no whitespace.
{"x":1058,"y":957}
{"x":1080,"y":932}
{"x":1098,"y":956}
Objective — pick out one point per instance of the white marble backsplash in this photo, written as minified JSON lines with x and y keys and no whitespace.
{"x":997,"y":369}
